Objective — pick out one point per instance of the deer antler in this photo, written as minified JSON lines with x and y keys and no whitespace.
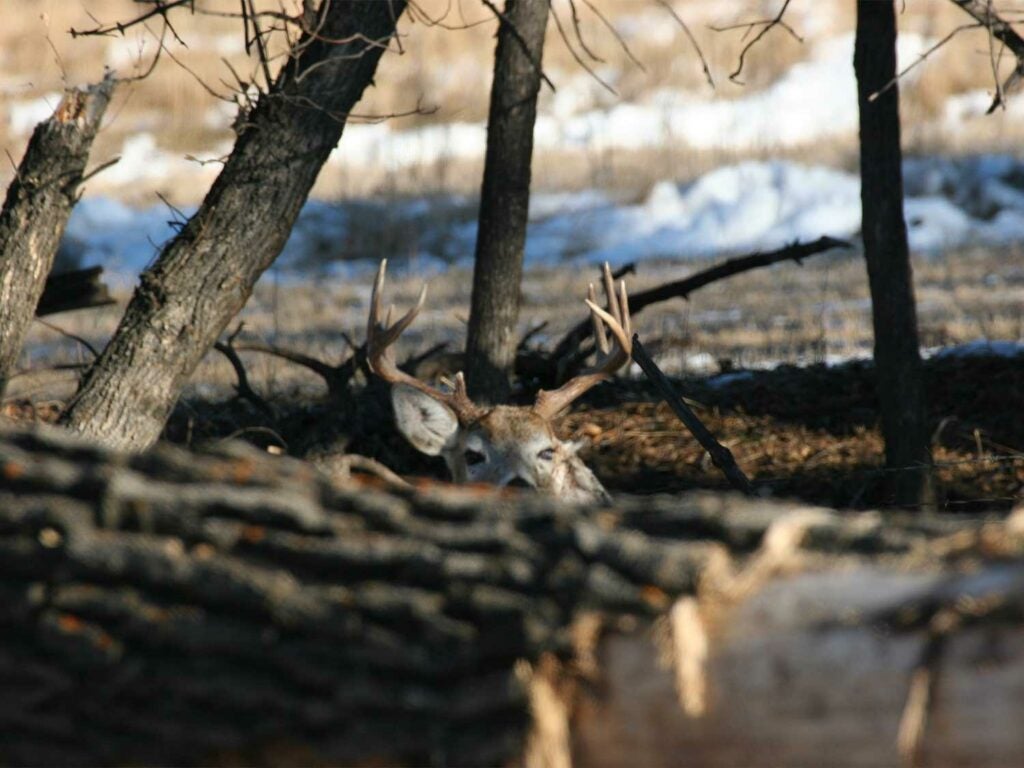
{"x":610,"y":357}
{"x":379,"y":338}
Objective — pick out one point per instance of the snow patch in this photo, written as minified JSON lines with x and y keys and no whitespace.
{"x":738,"y":208}
{"x":23,"y":116}
{"x":981,"y":348}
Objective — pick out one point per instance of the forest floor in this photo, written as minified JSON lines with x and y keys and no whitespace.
{"x":809,"y":433}
{"x":776,"y":362}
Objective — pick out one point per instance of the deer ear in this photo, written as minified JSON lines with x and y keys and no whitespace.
{"x":428,"y":424}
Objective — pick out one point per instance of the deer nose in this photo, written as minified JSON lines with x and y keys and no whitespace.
{"x":518,"y":482}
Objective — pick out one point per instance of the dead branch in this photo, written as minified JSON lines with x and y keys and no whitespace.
{"x":766,"y":26}
{"x":69,"y":335}
{"x":76,"y":289}
{"x":337,"y":377}
{"x":615,"y":34}
{"x":243,"y":389}
{"x":923,"y":58}
{"x":572,"y":50}
{"x":693,"y":41}
{"x":983,"y":12}
{"x":721,"y":456}
{"x":569,"y":348}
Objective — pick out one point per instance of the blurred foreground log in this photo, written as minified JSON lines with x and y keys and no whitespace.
{"x":169,"y":608}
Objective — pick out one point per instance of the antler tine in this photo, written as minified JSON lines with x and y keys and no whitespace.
{"x":600,"y":337}
{"x":609,"y":292}
{"x":380,"y":337}
{"x":618,"y":322}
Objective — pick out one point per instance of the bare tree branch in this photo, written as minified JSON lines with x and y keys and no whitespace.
{"x":983,"y":12}
{"x":693,"y":41}
{"x":767,"y":25}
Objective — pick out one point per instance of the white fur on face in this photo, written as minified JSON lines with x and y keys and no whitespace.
{"x":507,"y":446}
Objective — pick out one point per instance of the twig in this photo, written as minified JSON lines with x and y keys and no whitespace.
{"x":70,"y":335}
{"x":579,"y":59}
{"x":983,"y":12}
{"x":530,"y":334}
{"x":721,"y":456}
{"x":243,"y":388}
{"x":693,"y":41}
{"x":615,"y":33}
{"x":768,"y":26}
{"x":921,"y":59}
{"x":337,"y":377}
{"x":923,"y":683}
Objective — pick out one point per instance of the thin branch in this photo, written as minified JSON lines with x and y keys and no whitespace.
{"x":767,"y":27}
{"x":721,"y":456}
{"x":579,"y":59}
{"x":160,"y":8}
{"x":693,"y":41}
{"x":579,"y":34}
{"x":243,"y":389}
{"x":983,"y":12}
{"x":69,"y":335}
{"x":615,"y":33}
{"x":922,"y":58}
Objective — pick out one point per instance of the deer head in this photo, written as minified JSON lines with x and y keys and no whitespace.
{"x":501,"y":445}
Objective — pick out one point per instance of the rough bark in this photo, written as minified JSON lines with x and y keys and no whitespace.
{"x":505,"y":200}
{"x":36,"y":210}
{"x":77,"y":289}
{"x":894,"y":312}
{"x":171,"y":608}
{"x":205,"y":274}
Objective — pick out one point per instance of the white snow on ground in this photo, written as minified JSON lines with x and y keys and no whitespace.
{"x":816,"y":99}
{"x":737,"y":208}
{"x":754,"y":205}
{"x":979,"y":348}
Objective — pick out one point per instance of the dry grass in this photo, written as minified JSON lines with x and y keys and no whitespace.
{"x":783,"y":314}
{"x":449,"y":69}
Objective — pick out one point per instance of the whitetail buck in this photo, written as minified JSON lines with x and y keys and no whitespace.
{"x":502,"y":444}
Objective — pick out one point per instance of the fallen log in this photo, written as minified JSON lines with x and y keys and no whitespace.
{"x":174,"y":608}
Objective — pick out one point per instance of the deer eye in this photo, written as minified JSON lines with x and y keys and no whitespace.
{"x":473,"y":457}
{"x":547,"y":454}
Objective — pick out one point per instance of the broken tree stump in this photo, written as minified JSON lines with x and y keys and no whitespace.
{"x":36,"y":210}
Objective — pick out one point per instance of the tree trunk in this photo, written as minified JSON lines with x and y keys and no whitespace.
{"x":505,"y":200}
{"x":897,"y":354}
{"x":237,"y":608}
{"x":36,"y":211}
{"x":206,"y":273}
